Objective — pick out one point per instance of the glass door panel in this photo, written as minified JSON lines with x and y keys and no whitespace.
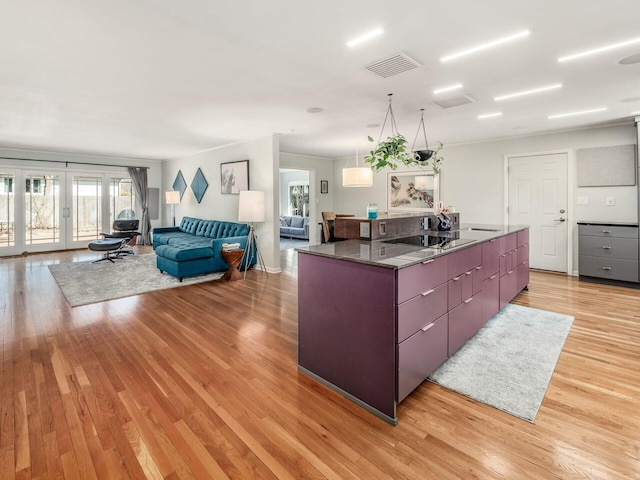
{"x":42,"y":211}
{"x":86,"y":209}
{"x":122,"y":199}
{"x":7,"y":217}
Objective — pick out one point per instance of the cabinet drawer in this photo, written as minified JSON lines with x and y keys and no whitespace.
{"x":523,"y":254}
{"x":610,"y":268}
{"x":508,"y":242}
{"x":464,"y":260}
{"x":420,"y":354}
{"x":490,"y":297}
{"x":612,"y":247}
{"x":608,"y":231}
{"x":421,"y":310}
{"x":464,"y":322}
{"x":523,"y":238}
{"x":422,"y":277}
{"x":508,"y":287}
{"x":523,"y":275}
{"x":460,"y":288}
{"x":508,"y":261}
{"x":490,"y":255}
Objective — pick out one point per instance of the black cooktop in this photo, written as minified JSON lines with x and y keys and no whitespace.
{"x":439,"y":241}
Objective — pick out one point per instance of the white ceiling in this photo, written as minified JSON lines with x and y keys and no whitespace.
{"x":163,"y":78}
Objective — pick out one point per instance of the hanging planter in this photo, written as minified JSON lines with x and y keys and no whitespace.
{"x":423,"y":156}
{"x":394,"y":151}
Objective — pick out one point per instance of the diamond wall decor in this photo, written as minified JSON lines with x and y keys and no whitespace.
{"x":199,"y":185}
{"x":179,"y":184}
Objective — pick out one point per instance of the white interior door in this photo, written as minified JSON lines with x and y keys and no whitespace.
{"x":538,"y":198}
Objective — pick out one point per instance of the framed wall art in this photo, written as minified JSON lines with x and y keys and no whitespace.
{"x":324,"y":186}
{"x":403,"y":196}
{"x":234,"y":177}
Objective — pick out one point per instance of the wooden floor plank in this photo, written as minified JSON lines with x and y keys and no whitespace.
{"x":201,"y":381}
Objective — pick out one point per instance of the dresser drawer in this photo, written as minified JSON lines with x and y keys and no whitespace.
{"x":422,"y":277}
{"x":421,"y":310}
{"x":420,"y":354}
{"x":612,"y":247}
{"x":607,"y":231}
{"x":610,"y":268}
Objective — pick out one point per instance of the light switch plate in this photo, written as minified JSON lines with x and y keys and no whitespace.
{"x":610,"y":201}
{"x":583,"y":201}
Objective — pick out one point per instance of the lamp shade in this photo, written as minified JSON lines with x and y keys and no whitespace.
{"x":357,"y":177}
{"x":172,"y":197}
{"x":251,"y":206}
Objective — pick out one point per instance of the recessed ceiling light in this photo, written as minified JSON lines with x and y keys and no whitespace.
{"x":457,"y":86}
{"x":528,"y":92}
{"x":635,"y":113}
{"x":606,"y":48}
{"x":373,"y":125}
{"x":365,"y":37}
{"x":484,"y":46}
{"x":571,"y":114}
{"x":314,"y":110}
{"x":489,"y":115}
{"x":630,"y":99}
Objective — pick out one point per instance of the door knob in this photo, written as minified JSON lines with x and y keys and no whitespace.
{"x":559,"y":219}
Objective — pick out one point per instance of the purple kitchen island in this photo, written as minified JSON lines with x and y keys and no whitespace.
{"x":375,"y":318}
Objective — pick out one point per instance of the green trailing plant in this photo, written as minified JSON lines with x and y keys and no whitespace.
{"x":393,"y":151}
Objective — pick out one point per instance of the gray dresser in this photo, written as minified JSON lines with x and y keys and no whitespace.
{"x":609,"y":251}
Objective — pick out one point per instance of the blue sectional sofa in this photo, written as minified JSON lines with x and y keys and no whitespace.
{"x":193,"y":248}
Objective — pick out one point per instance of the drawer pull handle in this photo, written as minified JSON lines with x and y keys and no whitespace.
{"x":424,"y":329}
{"x":606,"y":231}
{"x":606,"y":247}
{"x":455,"y":279}
{"x":493,"y":276}
{"x":479,"y":268}
{"x":509,"y":273}
{"x":468,"y":273}
{"x":606,"y":268}
{"x":428,"y":292}
{"x":468,"y":300}
{"x":427,"y":261}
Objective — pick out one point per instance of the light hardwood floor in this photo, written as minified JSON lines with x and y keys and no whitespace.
{"x":201,"y":382}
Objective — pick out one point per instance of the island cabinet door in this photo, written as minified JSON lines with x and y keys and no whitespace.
{"x":417,"y":279}
{"x":490,"y":256}
{"x":421,"y":354}
{"x":491,"y":297}
{"x":421,"y":310}
{"x":464,"y":321}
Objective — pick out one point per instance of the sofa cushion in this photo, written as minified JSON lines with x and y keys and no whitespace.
{"x":181,"y":253}
{"x":218,"y":229}
{"x":283,"y":222}
{"x":189,"y":224}
{"x":297,"y":222}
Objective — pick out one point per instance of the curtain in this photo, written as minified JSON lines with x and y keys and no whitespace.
{"x":139,"y":180}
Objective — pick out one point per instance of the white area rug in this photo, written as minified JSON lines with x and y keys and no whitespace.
{"x":86,"y":282}
{"x":508,"y":364}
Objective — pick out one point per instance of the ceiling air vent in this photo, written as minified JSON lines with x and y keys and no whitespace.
{"x":454,"y":101}
{"x":392,"y":66}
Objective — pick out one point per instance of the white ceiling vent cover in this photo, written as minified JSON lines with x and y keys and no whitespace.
{"x":393,"y":65}
{"x":454,"y":101}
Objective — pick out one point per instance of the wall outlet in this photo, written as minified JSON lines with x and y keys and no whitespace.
{"x":583,"y":201}
{"x":610,"y":201}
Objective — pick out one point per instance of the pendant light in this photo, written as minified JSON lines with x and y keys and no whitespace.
{"x":357,"y":176}
{"x":425,"y":154}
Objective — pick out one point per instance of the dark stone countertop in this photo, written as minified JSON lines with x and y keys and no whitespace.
{"x":386,"y":253}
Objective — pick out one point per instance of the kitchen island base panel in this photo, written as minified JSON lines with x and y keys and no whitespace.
{"x":392,"y":420}
{"x":348,"y":329}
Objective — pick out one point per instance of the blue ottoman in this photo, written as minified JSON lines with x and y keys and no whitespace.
{"x":184,"y":261}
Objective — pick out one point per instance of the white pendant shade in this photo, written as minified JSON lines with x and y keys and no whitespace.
{"x":251,"y":206}
{"x":357,"y":177}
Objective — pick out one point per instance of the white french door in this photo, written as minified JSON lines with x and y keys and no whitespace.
{"x":45,"y":210}
{"x":538,"y":197}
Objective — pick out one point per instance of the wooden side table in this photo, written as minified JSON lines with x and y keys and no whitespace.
{"x":233,"y":259}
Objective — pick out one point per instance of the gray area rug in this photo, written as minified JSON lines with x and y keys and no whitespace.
{"x":86,"y":282}
{"x":508,"y":364}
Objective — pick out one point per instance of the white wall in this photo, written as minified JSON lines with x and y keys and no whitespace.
{"x":320,"y":168}
{"x":263,"y":175}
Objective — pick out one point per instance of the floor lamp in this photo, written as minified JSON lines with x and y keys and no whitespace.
{"x":251,"y":209}
{"x":172,"y":198}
